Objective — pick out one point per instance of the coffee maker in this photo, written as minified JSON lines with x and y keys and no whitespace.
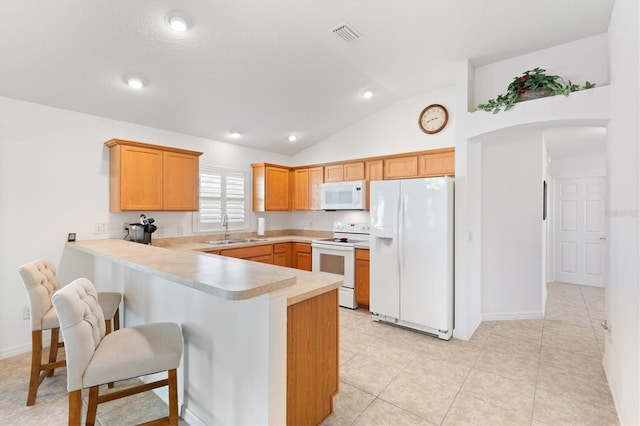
{"x":141,"y":232}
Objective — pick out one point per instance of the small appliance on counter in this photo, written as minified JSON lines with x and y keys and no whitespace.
{"x":141,"y":232}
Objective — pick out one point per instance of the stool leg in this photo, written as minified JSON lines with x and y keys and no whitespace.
{"x":173,"y":397}
{"x":116,"y":320}
{"x":92,"y":406}
{"x":53,"y":348}
{"x":36,"y":362}
{"x":107,"y":326}
{"x":75,"y":407}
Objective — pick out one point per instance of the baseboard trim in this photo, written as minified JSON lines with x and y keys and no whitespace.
{"x":192,"y":419}
{"x":505,"y":316}
{"x":15,"y":350}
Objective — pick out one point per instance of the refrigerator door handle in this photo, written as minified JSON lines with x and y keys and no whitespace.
{"x":400,"y":229}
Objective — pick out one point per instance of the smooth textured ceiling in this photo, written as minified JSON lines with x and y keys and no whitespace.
{"x":264,"y":68}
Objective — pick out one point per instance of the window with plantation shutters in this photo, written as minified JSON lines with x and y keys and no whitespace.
{"x":222,"y":191}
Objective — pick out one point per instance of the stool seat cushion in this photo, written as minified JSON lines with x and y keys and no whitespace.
{"x":109,"y":302}
{"x":135,"y":351}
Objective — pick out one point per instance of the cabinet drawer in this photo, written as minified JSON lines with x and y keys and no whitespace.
{"x":281,"y":247}
{"x":362,"y":254}
{"x":266,"y":258}
{"x":249,"y":252}
{"x":302,"y":247}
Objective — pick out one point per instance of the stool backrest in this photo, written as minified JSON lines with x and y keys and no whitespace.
{"x":40,"y":280}
{"x":82,"y":325}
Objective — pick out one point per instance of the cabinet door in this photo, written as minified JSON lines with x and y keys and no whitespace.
{"x":302,"y":256}
{"x":401,"y":167}
{"x":438,"y":164}
{"x":353,"y":171}
{"x":362,"y":277}
{"x":373,"y":170}
{"x":140,"y":178}
{"x":334,"y":173}
{"x":180,"y":177}
{"x":316,"y":175}
{"x":276,"y":189}
{"x":300,"y":189}
{"x":282,"y":254}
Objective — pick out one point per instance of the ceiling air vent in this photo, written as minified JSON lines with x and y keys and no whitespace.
{"x":345,"y":32}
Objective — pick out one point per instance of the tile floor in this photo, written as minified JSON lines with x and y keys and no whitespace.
{"x":531,"y":372}
{"x":528,"y":372}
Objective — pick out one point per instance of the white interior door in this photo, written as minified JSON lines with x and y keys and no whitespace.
{"x":579,"y":234}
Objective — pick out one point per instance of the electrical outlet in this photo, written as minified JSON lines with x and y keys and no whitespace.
{"x":180,"y":230}
{"x":100,"y":228}
{"x":124,"y":227}
{"x":25,"y":313}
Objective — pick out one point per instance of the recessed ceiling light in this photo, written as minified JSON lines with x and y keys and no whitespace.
{"x":292,"y":138}
{"x":234,"y":134}
{"x":367,"y":94}
{"x":177,"y":22}
{"x":134,"y":82}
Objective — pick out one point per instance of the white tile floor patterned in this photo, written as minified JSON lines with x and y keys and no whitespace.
{"x":529,"y":372}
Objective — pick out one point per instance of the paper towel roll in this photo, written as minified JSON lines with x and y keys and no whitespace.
{"x":261,"y":227}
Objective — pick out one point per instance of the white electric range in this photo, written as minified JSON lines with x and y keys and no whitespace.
{"x":337,"y":255}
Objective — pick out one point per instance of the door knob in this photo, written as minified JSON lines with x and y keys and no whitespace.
{"x":603,"y":238}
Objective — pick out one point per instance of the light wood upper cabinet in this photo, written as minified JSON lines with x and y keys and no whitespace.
{"x":316,"y":175}
{"x":334,"y":173}
{"x":401,"y":167}
{"x":438,"y":163}
{"x":345,"y":171}
{"x":271,"y":187}
{"x":354,"y":170}
{"x":152,"y":177}
{"x":180,"y":187}
{"x":373,"y":170}
{"x":300,"y":189}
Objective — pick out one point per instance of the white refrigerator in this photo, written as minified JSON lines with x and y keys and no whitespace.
{"x":411,"y":254}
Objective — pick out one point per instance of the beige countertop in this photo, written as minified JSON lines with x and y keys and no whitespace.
{"x":225,"y":277}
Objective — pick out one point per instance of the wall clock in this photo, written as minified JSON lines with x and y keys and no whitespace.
{"x":433,"y":119}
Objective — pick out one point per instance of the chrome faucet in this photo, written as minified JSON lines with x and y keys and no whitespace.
{"x":225,"y":225}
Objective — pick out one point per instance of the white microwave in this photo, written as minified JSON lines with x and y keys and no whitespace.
{"x":343,"y":195}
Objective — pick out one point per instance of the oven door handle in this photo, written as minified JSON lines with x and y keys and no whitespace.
{"x":331,"y":247}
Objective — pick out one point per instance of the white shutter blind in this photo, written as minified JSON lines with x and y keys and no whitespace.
{"x":221,"y":192}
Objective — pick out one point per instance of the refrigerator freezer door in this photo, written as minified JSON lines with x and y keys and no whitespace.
{"x":426,"y":255}
{"x":384,"y":286}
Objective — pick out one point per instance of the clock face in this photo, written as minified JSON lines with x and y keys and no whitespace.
{"x":433,"y":119}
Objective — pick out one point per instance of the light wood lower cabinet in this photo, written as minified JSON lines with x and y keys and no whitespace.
{"x":302,"y":256}
{"x":312,"y":358}
{"x":282,"y":254}
{"x":362,"y":277}
{"x":263,"y":253}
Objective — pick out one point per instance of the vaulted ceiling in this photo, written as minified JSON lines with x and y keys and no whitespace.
{"x":265,"y":69}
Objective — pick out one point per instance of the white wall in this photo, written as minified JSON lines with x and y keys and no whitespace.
{"x":578,"y":166}
{"x":391,"y":130}
{"x":622,"y":346}
{"x":577,"y":61}
{"x":512,"y":267}
{"x":54,"y":173}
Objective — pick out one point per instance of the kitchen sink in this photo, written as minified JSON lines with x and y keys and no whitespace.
{"x":235,"y":241}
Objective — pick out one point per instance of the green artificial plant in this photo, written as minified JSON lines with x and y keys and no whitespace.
{"x":534,"y":80}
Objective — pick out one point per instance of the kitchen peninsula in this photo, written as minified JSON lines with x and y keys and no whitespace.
{"x":260,"y":340}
